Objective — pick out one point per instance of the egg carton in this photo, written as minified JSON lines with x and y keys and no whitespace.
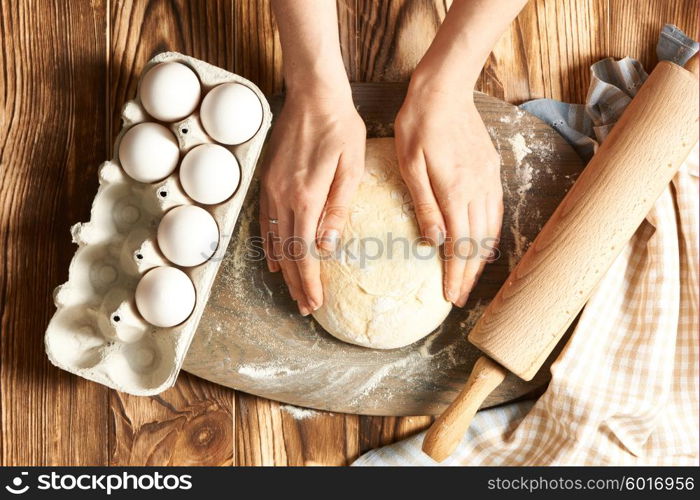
{"x":97,"y":331}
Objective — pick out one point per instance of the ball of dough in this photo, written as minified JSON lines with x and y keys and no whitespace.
{"x":383,"y":287}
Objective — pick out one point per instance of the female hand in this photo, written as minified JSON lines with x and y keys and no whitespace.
{"x":452,"y":171}
{"x":313,"y":165}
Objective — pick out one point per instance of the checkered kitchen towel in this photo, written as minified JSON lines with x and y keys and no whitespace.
{"x":624,"y":391}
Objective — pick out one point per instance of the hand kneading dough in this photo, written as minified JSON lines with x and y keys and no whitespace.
{"x":396,"y":298}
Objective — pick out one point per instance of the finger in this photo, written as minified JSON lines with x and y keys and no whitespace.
{"x":291,"y":278}
{"x":478,"y":227}
{"x":267,"y":233}
{"x":456,"y":246}
{"x":430,"y":218}
{"x":337,"y":207}
{"x":494,"y":215}
{"x":308,"y":265}
{"x":282,"y":248}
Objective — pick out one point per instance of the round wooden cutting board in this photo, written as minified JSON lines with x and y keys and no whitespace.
{"x":251,"y":337}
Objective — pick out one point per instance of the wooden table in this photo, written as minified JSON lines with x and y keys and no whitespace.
{"x":67,"y":68}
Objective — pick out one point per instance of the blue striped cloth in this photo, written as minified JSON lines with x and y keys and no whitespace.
{"x":613,"y":85}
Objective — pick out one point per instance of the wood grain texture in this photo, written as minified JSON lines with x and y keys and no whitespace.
{"x":68,"y":66}
{"x":269,"y":433}
{"x":547,"y":52}
{"x":190,"y":424}
{"x":258,"y":55}
{"x":635,"y":31}
{"x":393,"y":36}
{"x":51,"y":139}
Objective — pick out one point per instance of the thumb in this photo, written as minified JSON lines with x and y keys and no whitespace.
{"x":425,"y":206}
{"x":335,"y":214}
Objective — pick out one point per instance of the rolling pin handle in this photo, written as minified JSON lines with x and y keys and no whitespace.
{"x":446,"y":432}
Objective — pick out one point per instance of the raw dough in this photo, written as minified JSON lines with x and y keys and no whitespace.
{"x":380,"y":298}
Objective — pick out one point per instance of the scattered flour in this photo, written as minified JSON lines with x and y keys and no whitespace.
{"x":473,"y":316}
{"x":375,"y":381}
{"x":520,"y":148}
{"x":524,"y":173}
{"x":449,"y":355}
{"x":298,"y":413}
{"x":520,"y":240}
{"x":542,"y":148}
{"x":265,"y":371}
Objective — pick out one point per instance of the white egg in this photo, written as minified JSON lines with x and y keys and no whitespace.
{"x":209,"y":174}
{"x":148,"y":152}
{"x":169,"y":91}
{"x":165,"y":296}
{"x":231,"y":113}
{"x":188,"y":235}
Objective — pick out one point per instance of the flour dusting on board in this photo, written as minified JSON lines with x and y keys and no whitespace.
{"x":265,"y":371}
{"x":543,"y":148}
{"x":298,"y":413}
{"x":473,"y":316}
{"x":524,"y":173}
{"x":446,"y":356}
{"x":523,"y":144}
{"x":376,"y":379}
{"x":520,"y":149}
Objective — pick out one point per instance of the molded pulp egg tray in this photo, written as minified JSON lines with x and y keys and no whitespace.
{"x":97,"y":331}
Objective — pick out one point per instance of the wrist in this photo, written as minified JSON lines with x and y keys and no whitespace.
{"x":428,"y":83}
{"x":325,"y":79}
{"x":321,"y":97}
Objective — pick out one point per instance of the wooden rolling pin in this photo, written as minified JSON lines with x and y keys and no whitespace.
{"x":554,"y":279}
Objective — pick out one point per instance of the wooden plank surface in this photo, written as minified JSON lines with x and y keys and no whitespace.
{"x":634,"y":31}
{"x":52,"y":137}
{"x":249,"y":337}
{"x":68,"y":66}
